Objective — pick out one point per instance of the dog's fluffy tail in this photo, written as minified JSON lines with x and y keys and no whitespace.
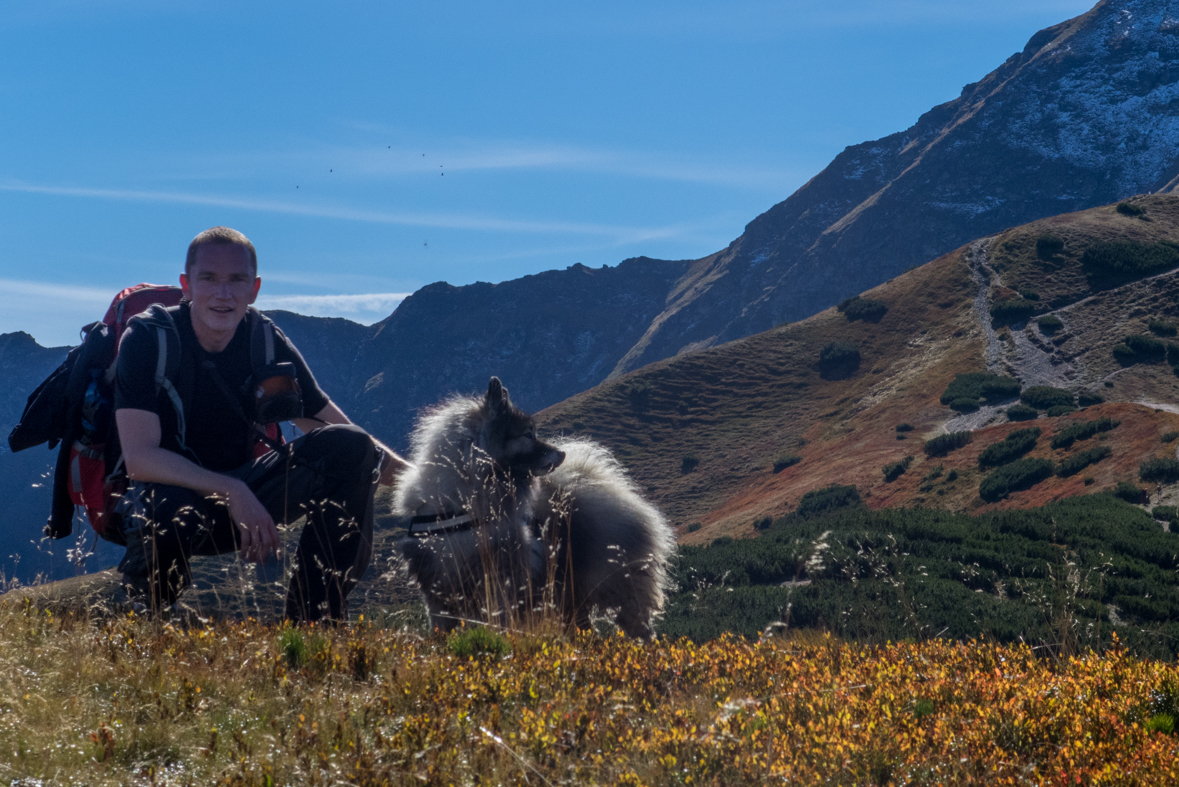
{"x":619,"y":545}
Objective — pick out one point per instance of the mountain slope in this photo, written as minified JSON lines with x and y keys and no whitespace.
{"x":702,"y":432}
{"x":1086,"y":114}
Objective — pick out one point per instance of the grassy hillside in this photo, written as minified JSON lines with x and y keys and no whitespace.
{"x":723,"y":438}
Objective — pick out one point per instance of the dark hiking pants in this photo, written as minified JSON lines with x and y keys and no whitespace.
{"x":329,"y":475}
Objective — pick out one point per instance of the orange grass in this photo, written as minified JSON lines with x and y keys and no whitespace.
{"x":130,"y":702}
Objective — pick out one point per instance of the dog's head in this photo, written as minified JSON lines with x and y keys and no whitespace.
{"x":510,"y":437}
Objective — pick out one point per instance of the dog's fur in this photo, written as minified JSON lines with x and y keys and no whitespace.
{"x":559,"y":528}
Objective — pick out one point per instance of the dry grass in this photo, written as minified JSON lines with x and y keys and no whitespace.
{"x":132,"y":702}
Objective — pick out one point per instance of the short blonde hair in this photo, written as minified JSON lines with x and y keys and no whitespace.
{"x":220,"y":236}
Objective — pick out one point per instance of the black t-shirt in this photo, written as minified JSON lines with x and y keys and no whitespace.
{"x":217,"y":436}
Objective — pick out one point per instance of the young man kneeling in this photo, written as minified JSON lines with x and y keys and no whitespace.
{"x":197,"y":484}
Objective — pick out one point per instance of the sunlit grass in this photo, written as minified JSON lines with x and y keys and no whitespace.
{"x":131,"y":702}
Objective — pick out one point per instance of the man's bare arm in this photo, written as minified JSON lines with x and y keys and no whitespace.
{"x":139,"y":436}
{"x":330,"y":414}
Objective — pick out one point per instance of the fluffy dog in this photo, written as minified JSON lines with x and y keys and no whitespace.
{"x":507,"y":527}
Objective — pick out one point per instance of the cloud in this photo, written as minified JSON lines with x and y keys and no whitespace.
{"x":434,"y":220}
{"x":17,"y":290}
{"x":365,"y":309}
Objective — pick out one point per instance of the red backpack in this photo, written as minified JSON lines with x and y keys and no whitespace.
{"x":75,"y":406}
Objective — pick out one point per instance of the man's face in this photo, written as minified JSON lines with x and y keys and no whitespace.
{"x":220,"y":286}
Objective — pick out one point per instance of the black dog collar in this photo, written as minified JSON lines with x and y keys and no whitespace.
{"x":431,"y":524}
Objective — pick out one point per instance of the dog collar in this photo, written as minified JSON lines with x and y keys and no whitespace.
{"x":447,"y":522}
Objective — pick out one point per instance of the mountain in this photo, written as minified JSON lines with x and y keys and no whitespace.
{"x":549,"y":336}
{"x":1086,"y":114}
{"x":724,"y":437}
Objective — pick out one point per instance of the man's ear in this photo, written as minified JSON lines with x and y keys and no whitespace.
{"x":254,"y":292}
{"x":497,"y":395}
{"x":184,"y":287}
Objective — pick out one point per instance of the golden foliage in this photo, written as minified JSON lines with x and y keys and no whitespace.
{"x":129,"y":701}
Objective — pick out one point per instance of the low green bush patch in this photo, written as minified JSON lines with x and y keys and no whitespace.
{"x":829,"y":498}
{"x":1162,"y":470}
{"x":1060,"y":409}
{"x":1128,"y":492}
{"x":1014,"y":446}
{"x":1166,"y":514}
{"x":904,"y":427}
{"x":945,"y":443}
{"x":895,"y":470}
{"x":1128,"y":259}
{"x":1043,"y":397}
{"x":1089,"y":398}
{"x":1169,"y":437}
{"x":1162,"y":327}
{"x":1049,"y":323}
{"x":838,"y":360}
{"x":1011,"y":310}
{"x":1078,"y":462}
{"x":1130,"y":209}
{"x":786,"y":460}
{"x":1021,"y":412}
{"x":865,"y":309}
{"x":689,"y":463}
{"x":976,"y":386}
{"x":1047,"y":246}
{"x":1015,"y":477}
{"x":478,"y":642}
{"x":1082,"y":430}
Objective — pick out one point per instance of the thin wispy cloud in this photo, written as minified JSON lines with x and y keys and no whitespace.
{"x":316,"y":210}
{"x":18,"y":289}
{"x":360,"y":308}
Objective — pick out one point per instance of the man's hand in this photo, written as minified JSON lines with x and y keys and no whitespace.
{"x":259,"y":536}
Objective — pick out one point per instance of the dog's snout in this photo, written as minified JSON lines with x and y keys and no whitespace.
{"x":558,"y":458}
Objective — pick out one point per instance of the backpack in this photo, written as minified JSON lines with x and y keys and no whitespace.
{"x":74,"y":406}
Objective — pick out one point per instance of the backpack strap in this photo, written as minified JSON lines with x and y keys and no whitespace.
{"x":167,"y":364}
{"x":261,"y":339}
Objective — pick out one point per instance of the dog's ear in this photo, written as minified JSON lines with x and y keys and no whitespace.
{"x":497,"y":395}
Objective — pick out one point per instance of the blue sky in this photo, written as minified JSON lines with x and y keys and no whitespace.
{"x":371,"y":148}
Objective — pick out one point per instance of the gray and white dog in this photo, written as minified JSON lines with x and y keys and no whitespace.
{"x":507,"y":527}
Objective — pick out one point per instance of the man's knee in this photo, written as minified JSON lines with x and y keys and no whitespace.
{"x":344,"y":449}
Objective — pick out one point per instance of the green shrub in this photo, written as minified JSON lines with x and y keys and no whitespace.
{"x":694,"y":527}
{"x":904,"y":427}
{"x":1011,"y":310}
{"x":974,"y":386}
{"x":1058,"y":410}
{"x":1089,"y":398}
{"x":478,"y":641}
{"x":1123,"y":259}
{"x":689,"y":463}
{"x":829,"y":498}
{"x":1013,"y":447}
{"x":1169,"y":437}
{"x":1047,"y":246}
{"x":763,"y":523}
{"x":1021,"y":412}
{"x":1130,"y":209}
{"x":865,"y":309}
{"x":1128,"y":492}
{"x":1015,"y":477}
{"x":838,"y":360}
{"x":1147,"y":348}
{"x":1042,"y":397}
{"x":945,"y":443}
{"x":1160,"y":722}
{"x":964,"y":405}
{"x":1049,"y":323}
{"x":1161,"y":327}
{"x":1028,"y":294}
{"x":1082,"y":430}
{"x":895,"y":470}
{"x":721,"y":541}
{"x":1166,"y":514}
{"x":1163,"y":470}
{"x":786,"y":460}
{"x":951,"y":476}
{"x":935,"y":473}
{"x":1124,"y":355}
{"x":1089,"y":480}
{"x":1078,"y":462}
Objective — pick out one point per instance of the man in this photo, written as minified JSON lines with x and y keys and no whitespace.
{"x":197,"y":488}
